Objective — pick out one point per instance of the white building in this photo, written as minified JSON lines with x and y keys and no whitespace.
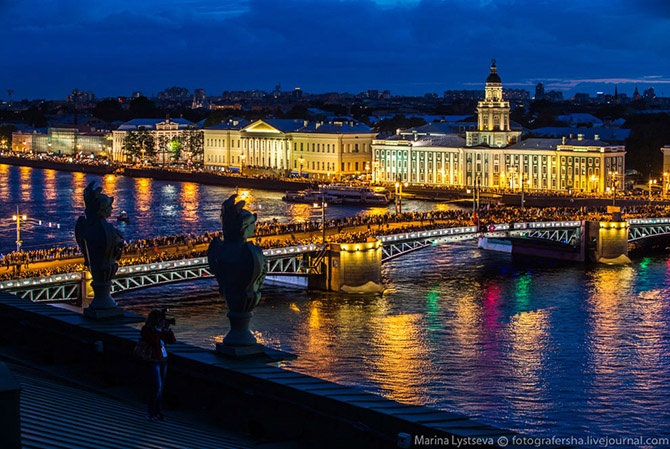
{"x":493,"y":156}
{"x":163,"y":130}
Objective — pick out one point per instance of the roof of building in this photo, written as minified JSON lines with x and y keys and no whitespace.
{"x":337,"y":127}
{"x":610,"y":134}
{"x":536,"y":144}
{"x":448,"y":141}
{"x":231,"y":124}
{"x":441,"y":128}
{"x":580,"y":118}
{"x":582,"y":142}
{"x":493,"y":76}
{"x":286,"y":125}
{"x":304,"y":126}
{"x":150,"y":123}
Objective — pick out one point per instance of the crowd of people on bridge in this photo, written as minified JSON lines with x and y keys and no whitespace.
{"x":273,"y":234}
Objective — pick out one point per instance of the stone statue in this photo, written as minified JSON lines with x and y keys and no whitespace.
{"x":240,"y":268}
{"x":101,"y":244}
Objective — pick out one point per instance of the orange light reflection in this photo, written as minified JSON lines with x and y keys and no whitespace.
{"x":400,"y":362}
{"x":190,"y":201}
{"x":529,"y":341}
{"x":49,"y":187}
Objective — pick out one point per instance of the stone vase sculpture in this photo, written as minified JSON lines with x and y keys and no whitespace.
{"x":240,"y":268}
{"x":102,"y":245}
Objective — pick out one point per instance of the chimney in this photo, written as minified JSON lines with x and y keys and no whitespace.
{"x":416,"y":136}
{"x":580,"y":136}
{"x":563,"y":140}
{"x":597,"y":137}
{"x":305,"y":123}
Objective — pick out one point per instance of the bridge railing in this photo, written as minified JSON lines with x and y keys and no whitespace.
{"x":427,"y":234}
{"x":20,"y":284}
{"x":533,"y":225}
{"x":648,"y":221}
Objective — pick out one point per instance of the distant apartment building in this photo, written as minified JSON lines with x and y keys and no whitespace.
{"x":322,"y":150}
{"x":494,"y":156}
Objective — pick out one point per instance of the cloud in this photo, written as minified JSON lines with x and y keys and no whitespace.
{"x":330,"y":45}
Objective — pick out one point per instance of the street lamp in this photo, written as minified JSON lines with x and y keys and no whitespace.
{"x":323,"y":217}
{"x":301,"y":161}
{"x":18,"y":217}
{"x":398,"y":197}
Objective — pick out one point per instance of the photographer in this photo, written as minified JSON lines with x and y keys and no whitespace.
{"x":156,"y":331}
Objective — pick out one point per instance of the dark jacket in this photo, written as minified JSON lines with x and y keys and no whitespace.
{"x":154,"y":337}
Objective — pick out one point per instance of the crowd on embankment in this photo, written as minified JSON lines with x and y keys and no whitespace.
{"x":274,"y":234}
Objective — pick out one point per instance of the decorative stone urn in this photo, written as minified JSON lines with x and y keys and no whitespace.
{"x":102,"y":245}
{"x":240,"y":268}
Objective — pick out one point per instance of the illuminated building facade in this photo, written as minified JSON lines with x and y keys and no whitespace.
{"x":493,"y":123}
{"x":162,"y":130}
{"x":63,"y":141}
{"x":493,"y":156}
{"x":322,"y":150}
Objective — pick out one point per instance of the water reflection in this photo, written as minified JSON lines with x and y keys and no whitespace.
{"x":4,"y":187}
{"x":546,"y":349}
{"x":49,"y":185}
{"x":25,"y":184}
{"x":399,"y":361}
{"x":526,"y":362}
{"x":565,"y":351}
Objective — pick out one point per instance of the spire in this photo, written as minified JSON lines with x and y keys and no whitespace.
{"x":493,"y":76}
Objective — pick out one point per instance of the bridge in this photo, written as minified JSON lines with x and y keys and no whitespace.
{"x":303,"y":261}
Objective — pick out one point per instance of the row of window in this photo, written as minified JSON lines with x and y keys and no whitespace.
{"x":329,"y":148}
{"x":301,"y":146}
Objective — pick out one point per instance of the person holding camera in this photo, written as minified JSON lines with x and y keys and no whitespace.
{"x":156,"y":332}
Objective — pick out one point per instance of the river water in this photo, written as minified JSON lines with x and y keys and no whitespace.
{"x":540,"y":347}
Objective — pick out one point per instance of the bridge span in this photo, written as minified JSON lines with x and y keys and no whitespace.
{"x":297,"y":264}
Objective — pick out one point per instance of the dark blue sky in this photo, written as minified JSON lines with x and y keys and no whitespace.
{"x":115,"y":47}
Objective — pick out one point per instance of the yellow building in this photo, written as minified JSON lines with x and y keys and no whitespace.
{"x":322,"y":150}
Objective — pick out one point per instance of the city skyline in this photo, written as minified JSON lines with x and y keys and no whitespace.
{"x":410,"y":47}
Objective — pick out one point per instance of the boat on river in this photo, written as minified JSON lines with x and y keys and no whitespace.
{"x":341,"y":194}
{"x":123,"y":217}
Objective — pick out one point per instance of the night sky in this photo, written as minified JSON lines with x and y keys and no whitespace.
{"x":413,"y":47}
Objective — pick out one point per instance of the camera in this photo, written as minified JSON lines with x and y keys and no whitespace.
{"x":170,"y":321}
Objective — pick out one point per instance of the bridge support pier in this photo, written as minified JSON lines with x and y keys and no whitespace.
{"x":608,"y":242}
{"x":350,"y":268}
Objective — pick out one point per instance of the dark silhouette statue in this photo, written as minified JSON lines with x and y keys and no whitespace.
{"x":240,"y":268}
{"x":101,"y":244}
